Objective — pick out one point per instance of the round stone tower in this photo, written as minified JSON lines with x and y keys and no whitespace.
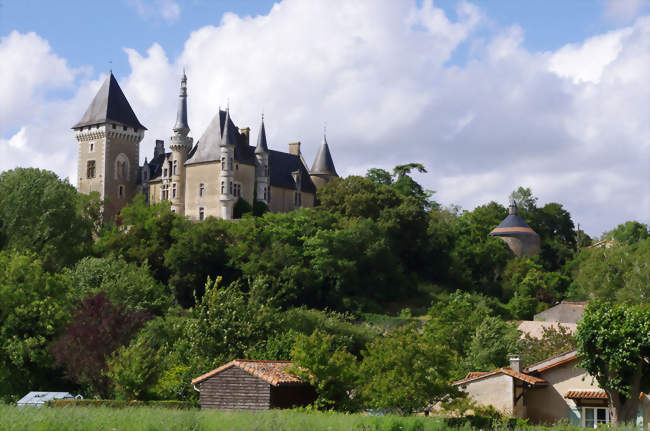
{"x":513,"y":230}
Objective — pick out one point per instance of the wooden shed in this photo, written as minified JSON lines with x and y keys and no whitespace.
{"x":252,"y":385}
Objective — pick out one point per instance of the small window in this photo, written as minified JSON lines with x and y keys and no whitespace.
{"x":90,"y":169}
{"x":223,"y":186}
{"x":121,"y":191}
{"x":201,"y":213}
{"x":223,"y":163}
{"x":230,"y":187}
{"x":201,"y":190}
{"x":175,"y":167}
{"x":230,"y":163}
{"x":92,"y":147}
{"x":174,"y":190}
{"x":236,"y":166}
{"x":165,"y":172}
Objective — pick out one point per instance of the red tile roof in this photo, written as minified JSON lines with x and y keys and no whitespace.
{"x":472,"y":376}
{"x":273,"y":372}
{"x":591,"y":394}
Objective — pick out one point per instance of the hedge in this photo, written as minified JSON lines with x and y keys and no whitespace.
{"x":178,"y":405}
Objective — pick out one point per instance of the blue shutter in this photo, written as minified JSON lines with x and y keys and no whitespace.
{"x":639,"y":418}
{"x":574,"y":416}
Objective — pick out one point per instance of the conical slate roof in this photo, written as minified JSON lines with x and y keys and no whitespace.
{"x":110,"y":105}
{"x":513,"y":224}
{"x":261,"y":141}
{"x":323,"y":165}
{"x":181,"y":125}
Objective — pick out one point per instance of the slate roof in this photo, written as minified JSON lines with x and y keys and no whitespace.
{"x":323,"y":164}
{"x":473,"y":376}
{"x":208,"y":147}
{"x":110,"y":105}
{"x":273,"y":372}
{"x":513,"y":224}
{"x":262,"y":147}
{"x":156,"y":165}
{"x":281,"y":165}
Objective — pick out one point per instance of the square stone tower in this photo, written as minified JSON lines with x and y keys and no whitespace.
{"x":109,"y":136}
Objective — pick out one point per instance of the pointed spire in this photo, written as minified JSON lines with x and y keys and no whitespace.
{"x":181,"y":127}
{"x":512,"y":208}
{"x":225,"y":132}
{"x":110,"y":106}
{"x":323,"y":165}
{"x":261,"y":140}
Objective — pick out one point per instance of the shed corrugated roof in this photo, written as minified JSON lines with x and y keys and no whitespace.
{"x":273,"y":372}
{"x":110,"y":105}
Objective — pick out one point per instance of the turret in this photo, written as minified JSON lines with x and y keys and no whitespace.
{"x":109,"y":135}
{"x":323,"y":170}
{"x":262,"y":174}
{"x":515,"y":232}
{"x":180,"y":146}
{"x":226,"y":173}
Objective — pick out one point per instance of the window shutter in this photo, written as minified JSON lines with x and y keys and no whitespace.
{"x":639,"y":418}
{"x":574,"y":416}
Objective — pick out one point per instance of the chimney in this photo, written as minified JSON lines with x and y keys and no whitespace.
{"x":159,"y":148}
{"x":294,"y":148}
{"x":246,"y":133}
{"x":515,"y":363}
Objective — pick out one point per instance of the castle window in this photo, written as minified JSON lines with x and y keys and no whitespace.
{"x":165,"y":172}
{"x":121,"y":166}
{"x":264,"y":193}
{"x":223,"y":186}
{"x":201,"y":190}
{"x":92,"y":147}
{"x":164,"y":192}
{"x":113,"y":125}
{"x":230,"y":187}
{"x":230,"y":163}
{"x":201,"y":213}
{"x":121,"y":191}
{"x":174,"y":190}
{"x":175,"y":167}
{"x":90,"y":169}
{"x":124,"y":128}
{"x":237,"y":191}
{"x":223,"y":163}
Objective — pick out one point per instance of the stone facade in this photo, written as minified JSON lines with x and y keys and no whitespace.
{"x":200,"y":179}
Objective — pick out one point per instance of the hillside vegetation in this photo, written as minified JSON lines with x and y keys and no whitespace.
{"x":379,"y":292}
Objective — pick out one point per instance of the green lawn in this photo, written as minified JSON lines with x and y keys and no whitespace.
{"x":156,"y":418}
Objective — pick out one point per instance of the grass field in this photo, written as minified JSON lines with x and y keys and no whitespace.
{"x":155,"y":419}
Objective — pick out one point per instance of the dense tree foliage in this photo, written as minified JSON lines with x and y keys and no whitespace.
{"x":614,"y":343}
{"x":42,"y":214}
{"x":380,"y":295}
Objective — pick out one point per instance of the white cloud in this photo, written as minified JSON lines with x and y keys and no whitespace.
{"x":168,"y":10}
{"x":625,"y":10}
{"x":570,"y":124}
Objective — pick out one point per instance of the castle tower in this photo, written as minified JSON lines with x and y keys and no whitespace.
{"x":226,"y":172}
{"x":109,"y":135}
{"x":515,"y":232}
{"x":180,"y":147}
{"x":323,"y":170}
{"x":262,"y":173}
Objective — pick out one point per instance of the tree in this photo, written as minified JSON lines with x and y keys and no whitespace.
{"x":403,"y":372}
{"x":97,"y":329}
{"x":629,"y":232}
{"x":198,"y":251}
{"x":122,"y":282}
{"x":554,"y":340}
{"x":614,"y":344}
{"x":33,"y":311}
{"x":329,"y":369}
{"x":491,"y":344}
{"x":133,"y":369}
{"x":45,"y":215}
{"x":147,"y":236}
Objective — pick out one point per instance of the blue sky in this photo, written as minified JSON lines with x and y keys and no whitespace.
{"x":487,"y":94}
